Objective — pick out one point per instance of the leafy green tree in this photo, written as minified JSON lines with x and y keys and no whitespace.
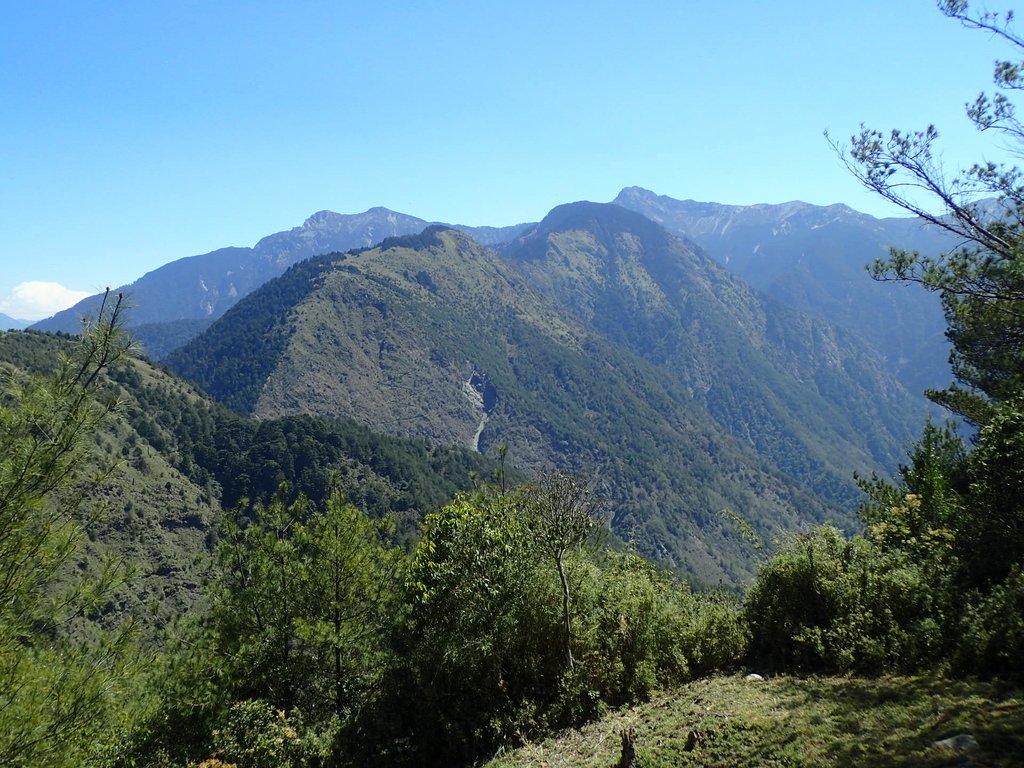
{"x":560,"y":518}
{"x":481,"y":648}
{"x":303,"y":606}
{"x":484,"y":649}
{"x":348,"y":583}
{"x":259,"y":599}
{"x":997,"y":492}
{"x":981,"y":287}
{"x":981,"y":283}
{"x":58,"y":689}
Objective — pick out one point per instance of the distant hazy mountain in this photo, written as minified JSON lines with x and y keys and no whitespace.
{"x":8,"y":323}
{"x":598,"y":343}
{"x":813,"y":258}
{"x":175,"y":302}
{"x":204,"y":287}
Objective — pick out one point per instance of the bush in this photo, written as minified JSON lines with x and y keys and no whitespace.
{"x":828,"y":603}
{"x":714,"y":635}
{"x":256,"y":735}
{"x":481,"y":656}
{"x":641,"y":631}
{"x":992,"y":631}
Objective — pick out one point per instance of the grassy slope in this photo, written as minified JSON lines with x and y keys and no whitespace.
{"x":789,"y":721}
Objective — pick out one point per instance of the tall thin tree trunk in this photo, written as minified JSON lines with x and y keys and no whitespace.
{"x":338,"y":686}
{"x":566,"y":623}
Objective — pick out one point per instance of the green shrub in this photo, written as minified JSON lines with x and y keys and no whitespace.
{"x":714,"y":635}
{"x":825,"y":602}
{"x":643,"y":631}
{"x":481,"y":655}
{"x":992,"y":631}
{"x":255,"y":735}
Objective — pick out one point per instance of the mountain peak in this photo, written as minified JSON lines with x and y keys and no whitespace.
{"x":329,"y":219}
{"x":428,"y":238}
{"x":654,"y":205}
{"x":603,"y":219}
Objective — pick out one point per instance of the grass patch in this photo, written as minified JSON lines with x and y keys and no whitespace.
{"x":789,"y":722}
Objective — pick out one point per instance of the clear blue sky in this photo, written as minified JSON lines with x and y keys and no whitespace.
{"x":136,"y":133}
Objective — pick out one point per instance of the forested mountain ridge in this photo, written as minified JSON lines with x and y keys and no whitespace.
{"x":177,"y":460}
{"x":173,"y":303}
{"x":435,"y":336}
{"x":813,"y":258}
{"x":809,"y":257}
{"x":812,"y":397}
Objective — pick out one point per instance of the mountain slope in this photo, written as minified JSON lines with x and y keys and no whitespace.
{"x":179,"y":300}
{"x":813,"y":258}
{"x":204,"y":287}
{"x":811,"y":397}
{"x":435,"y":336}
{"x":179,"y":459}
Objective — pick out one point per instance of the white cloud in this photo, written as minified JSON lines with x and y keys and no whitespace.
{"x":33,"y":300}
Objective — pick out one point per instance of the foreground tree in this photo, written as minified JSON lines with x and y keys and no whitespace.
{"x":482,"y":650}
{"x":349,"y":579}
{"x":981,"y":283}
{"x":981,"y":286}
{"x":560,"y":517}
{"x":55,"y":687}
{"x":301,"y":607}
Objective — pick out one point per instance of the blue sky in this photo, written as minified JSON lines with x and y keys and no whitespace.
{"x":133,"y":134}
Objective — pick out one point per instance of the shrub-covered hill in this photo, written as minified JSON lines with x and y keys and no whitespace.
{"x":178,"y":459}
{"x":815,"y":722}
{"x":437,"y":337}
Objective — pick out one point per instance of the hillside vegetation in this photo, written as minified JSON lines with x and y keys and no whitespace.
{"x":173,"y":461}
{"x":183,"y":585}
{"x":601,"y":345}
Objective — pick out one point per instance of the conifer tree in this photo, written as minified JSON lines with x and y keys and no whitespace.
{"x":54,"y":686}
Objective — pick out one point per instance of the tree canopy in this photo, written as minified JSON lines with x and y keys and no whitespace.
{"x":54,"y":687}
{"x":981,"y":283}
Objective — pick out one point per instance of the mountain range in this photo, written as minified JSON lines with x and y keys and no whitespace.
{"x":810,"y":257}
{"x":595,"y":342}
{"x":698,"y":362}
{"x":813,"y":258}
{"x":175,"y":302}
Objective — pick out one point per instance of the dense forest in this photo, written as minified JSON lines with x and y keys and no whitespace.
{"x":363,"y":599}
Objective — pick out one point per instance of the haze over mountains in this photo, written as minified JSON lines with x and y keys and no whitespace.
{"x":8,"y":323}
{"x":188,"y":294}
{"x":753,"y":377}
{"x":810,"y":257}
{"x":813,"y":258}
